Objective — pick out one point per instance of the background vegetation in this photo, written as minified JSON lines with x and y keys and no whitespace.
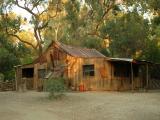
{"x":117,"y":28}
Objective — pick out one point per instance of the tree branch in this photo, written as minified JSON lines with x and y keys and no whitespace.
{"x":43,"y":26}
{"x":4,"y":18}
{"x":43,"y":12}
{"x":38,"y":40}
{"x":104,"y":15}
{"x":28,"y":43}
{"x":36,"y":4}
{"x":25,"y":8}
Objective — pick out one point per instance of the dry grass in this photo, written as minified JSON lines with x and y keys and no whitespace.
{"x":80,"y":106}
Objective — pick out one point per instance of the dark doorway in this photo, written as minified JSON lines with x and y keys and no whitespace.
{"x":27,"y":72}
{"x":27,"y":77}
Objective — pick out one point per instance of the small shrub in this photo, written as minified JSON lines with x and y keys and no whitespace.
{"x":1,"y":77}
{"x":9,"y":75}
{"x":56,"y":87}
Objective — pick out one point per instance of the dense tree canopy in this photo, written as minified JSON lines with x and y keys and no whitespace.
{"x":128,"y":35}
{"x":117,"y":28}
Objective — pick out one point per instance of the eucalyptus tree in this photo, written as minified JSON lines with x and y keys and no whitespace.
{"x":128,"y":34}
{"x":38,"y":10}
{"x":84,"y":20}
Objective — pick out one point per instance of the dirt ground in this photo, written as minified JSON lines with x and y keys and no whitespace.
{"x":80,"y":106}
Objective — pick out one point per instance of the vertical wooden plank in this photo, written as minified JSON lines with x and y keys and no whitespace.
{"x":20,"y":76}
{"x":111,"y":76}
{"x":80,"y":71}
{"x":36,"y":81}
{"x":16,"y":77}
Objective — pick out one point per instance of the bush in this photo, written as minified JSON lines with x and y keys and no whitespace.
{"x":9,"y":75}
{"x":1,"y":77}
{"x":56,"y":87}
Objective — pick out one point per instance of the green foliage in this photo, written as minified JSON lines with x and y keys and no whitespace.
{"x":73,"y":9}
{"x":7,"y":61}
{"x":9,"y":75}
{"x":24,"y":54}
{"x":97,"y":9}
{"x":155,"y":4}
{"x":152,"y":52}
{"x":1,"y":77}
{"x":156,"y":21}
{"x":13,"y":24}
{"x":55,"y":86}
{"x":92,"y":42}
{"x":11,"y":54}
{"x":27,"y":59}
{"x":128,"y":33}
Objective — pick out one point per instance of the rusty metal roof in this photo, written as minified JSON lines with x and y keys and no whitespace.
{"x":80,"y":52}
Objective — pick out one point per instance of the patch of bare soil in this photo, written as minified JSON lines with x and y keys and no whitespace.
{"x":80,"y":106}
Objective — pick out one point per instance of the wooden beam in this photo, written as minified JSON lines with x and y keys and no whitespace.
{"x":147,"y":78}
{"x":132,"y":76}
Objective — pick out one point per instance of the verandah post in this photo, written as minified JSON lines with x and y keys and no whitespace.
{"x":147,"y":79}
{"x":132,"y":76}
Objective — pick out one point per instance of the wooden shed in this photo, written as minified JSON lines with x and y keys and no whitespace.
{"x":77,"y":65}
{"x":81,"y":66}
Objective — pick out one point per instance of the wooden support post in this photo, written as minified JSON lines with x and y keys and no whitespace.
{"x":132,"y":76}
{"x":147,"y":78}
{"x":15,"y":78}
{"x":111,"y":76}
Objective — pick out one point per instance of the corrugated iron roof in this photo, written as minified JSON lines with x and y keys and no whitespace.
{"x":80,"y":52}
{"x":122,"y":59}
{"x":130,"y":60}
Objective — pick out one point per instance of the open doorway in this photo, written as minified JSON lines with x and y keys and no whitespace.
{"x":27,"y":77}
